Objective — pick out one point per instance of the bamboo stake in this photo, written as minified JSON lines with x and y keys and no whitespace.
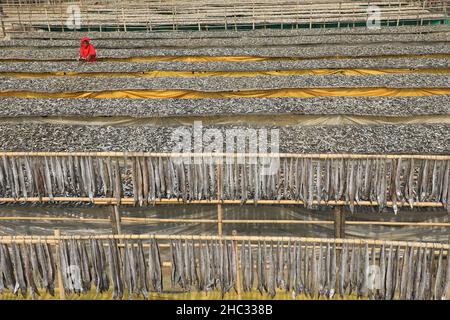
{"x":115,"y":220}
{"x":48,"y":22}
{"x":124,"y":21}
{"x":337,"y":222}
{"x":54,"y":239}
{"x":3,"y":26}
{"x":62,"y":294}
{"x":61,"y":15}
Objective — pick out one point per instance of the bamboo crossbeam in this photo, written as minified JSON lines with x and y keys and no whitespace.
{"x":229,"y":221}
{"x":222,"y":155}
{"x":131,"y":201}
{"x":55,"y":239}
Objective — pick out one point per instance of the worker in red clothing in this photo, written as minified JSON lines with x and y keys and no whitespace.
{"x":87,"y":51}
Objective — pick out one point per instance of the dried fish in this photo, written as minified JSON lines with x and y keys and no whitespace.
{"x":332,"y":287}
{"x":438,"y":285}
{"x":271,"y":282}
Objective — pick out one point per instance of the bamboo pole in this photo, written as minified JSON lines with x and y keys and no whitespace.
{"x":124,"y":21}
{"x":115,"y":220}
{"x":48,"y":22}
{"x":62,"y":294}
{"x":55,"y":239}
{"x":337,"y":222}
{"x":2,"y":26}
{"x":61,"y":16}
{"x":233,"y":221}
{"x":130,"y":201}
{"x":221,"y":155}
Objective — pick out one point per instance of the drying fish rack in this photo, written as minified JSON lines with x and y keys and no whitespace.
{"x":155,"y":15}
{"x":434,"y":275}
{"x":122,"y":170}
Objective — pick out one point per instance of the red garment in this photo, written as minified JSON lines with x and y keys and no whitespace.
{"x":84,"y":52}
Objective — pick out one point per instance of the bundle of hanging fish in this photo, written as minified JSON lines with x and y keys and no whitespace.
{"x":311,"y":180}
{"x":127,"y":269}
{"x":316,"y":270}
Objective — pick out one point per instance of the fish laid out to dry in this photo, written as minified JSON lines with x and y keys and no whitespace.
{"x":400,"y":181}
{"x":134,"y":268}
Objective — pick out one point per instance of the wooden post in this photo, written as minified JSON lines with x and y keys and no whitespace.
{"x":219,"y":219}
{"x":238,"y":265}
{"x":253,"y":15}
{"x":115,"y":219}
{"x":225,"y":18}
{"x":339,"y":19}
{"x":124,"y":21}
{"x":234,"y":13}
{"x":339,"y":222}
{"x":62,"y":294}
{"x":3,"y":26}
{"x":87,"y":16}
{"x":99,"y":21}
{"x":19,"y":8}
{"x":48,"y":22}
{"x":198,"y":20}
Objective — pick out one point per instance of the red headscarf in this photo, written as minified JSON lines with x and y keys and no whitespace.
{"x":84,"y":52}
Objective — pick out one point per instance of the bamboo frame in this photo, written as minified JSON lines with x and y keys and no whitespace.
{"x":242,"y":13}
{"x":54,"y":239}
{"x":131,"y":201}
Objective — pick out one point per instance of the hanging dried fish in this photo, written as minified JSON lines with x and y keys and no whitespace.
{"x":438,"y":285}
{"x":446,"y":293}
{"x":260,"y":265}
{"x":314,"y":282}
{"x":36,"y":271}
{"x":423,"y":275}
{"x":418,"y":273}
{"x":389,"y":275}
{"x":141,"y":287}
{"x":410,"y":275}
{"x":280,"y":280}
{"x":343,"y":270}
{"x":306,"y":271}
{"x":6,"y":268}
{"x":128,"y":267}
{"x":332,"y":287}
{"x":243,"y":260}
{"x":250,"y":268}
{"x":271,"y":282}
{"x":115,"y":270}
{"x":28,"y":271}
{"x":290,"y":269}
{"x":363,"y":288}
{"x":19,"y":270}
{"x":352,"y":269}
{"x":404,"y":272}
{"x":193,"y":265}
